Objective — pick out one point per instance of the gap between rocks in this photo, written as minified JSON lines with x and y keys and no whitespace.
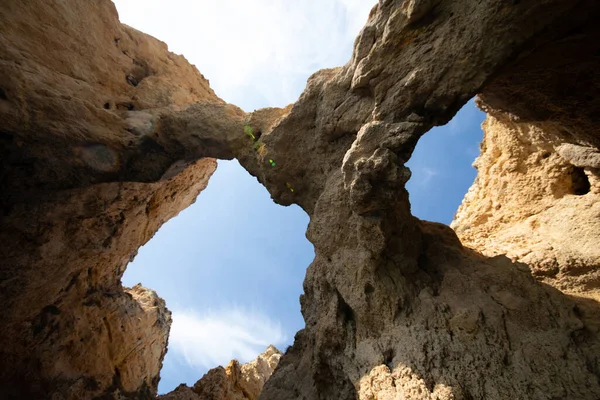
{"x":230,"y":267}
{"x":441,"y":166}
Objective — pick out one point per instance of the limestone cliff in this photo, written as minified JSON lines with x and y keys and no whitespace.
{"x":537,"y":200}
{"x":395,"y":307}
{"x":83,"y":184}
{"x":106,"y":136}
{"x":234,"y":382}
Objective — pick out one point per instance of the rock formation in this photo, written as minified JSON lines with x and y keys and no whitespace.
{"x":234,"y":382}
{"x":83,"y":185}
{"x":542,"y":210}
{"x":106,"y":135}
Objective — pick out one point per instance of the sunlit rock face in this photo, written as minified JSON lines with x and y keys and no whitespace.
{"x":234,"y":382}
{"x":106,"y":137}
{"x":537,"y":200}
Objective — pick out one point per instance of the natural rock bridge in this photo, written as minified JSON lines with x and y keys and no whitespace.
{"x":105,"y":135}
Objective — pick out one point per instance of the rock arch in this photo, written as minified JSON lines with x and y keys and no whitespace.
{"x":84,"y":186}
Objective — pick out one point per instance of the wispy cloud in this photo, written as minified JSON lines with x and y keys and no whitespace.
{"x":256,"y":53}
{"x":216,"y":337}
{"x":424,"y":175}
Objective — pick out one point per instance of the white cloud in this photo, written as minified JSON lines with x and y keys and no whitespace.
{"x":425,"y":175}
{"x":256,"y":53}
{"x":215,"y":338}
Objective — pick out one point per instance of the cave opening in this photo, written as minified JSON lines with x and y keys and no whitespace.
{"x":579,"y":181}
{"x":441,"y":166}
{"x":230,"y":268}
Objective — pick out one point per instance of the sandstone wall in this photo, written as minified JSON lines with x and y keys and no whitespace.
{"x":396,"y":307}
{"x":536,"y":199}
{"x":84,"y":183}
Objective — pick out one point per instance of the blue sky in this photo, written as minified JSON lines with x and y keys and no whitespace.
{"x":441,"y":166}
{"x":231,"y":266}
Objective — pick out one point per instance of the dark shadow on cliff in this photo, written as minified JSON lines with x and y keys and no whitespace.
{"x":492,"y":318}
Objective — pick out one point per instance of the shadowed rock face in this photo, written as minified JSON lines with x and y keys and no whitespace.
{"x":106,"y":137}
{"x":86,"y":179}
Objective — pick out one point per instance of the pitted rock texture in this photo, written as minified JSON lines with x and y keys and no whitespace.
{"x":394,"y":307}
{"x":84,"y":182}
{"x":537,"y":200}
{"x":234,"y":382}
{"x":73,"y":330}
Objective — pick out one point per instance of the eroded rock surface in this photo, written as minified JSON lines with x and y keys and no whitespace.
{"x":234,"y":382}
{"x":394,"y":307}
{"x":84,"y":182}
{"x":106,"y":138}
{"x":537,"y":200}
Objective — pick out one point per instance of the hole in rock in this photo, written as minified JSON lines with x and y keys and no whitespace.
{"x":125,"y":106}
{"x":441,"y":166}
{"x":140,"y":71}
{"x":232,"y":265}
{"x":230,"y":268}
{"x":132,"y":80}
{"x":579,"y":181}
{"x":388,"y":358}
